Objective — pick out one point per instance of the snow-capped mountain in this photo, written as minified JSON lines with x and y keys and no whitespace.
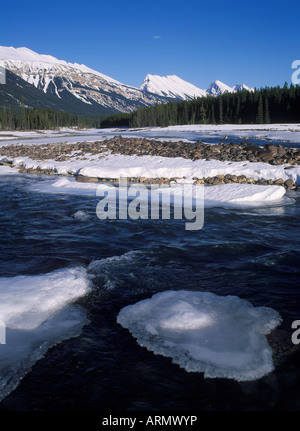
{"x":217,"y":87}
{"x":78,"y":89}
{"x":65,"y":80}
{"x":171,"y":86}
{"x":241,"y":87}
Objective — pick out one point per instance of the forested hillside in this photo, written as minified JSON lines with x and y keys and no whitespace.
{"x":39,"y":118}
{"x":266,"y":105}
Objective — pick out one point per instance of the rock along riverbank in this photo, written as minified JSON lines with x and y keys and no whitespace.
{"x":245,"y":151}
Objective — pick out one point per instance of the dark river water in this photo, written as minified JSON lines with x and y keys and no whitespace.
{"x":252,"y":253}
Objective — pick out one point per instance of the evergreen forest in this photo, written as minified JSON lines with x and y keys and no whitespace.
{"x":263,"y":106}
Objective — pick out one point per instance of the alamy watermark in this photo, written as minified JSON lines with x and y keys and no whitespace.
{"x":296,"y":74}
{"x":2,"y":332}
{"x":2,"y":74}
{"x":296,"y":334}
{"x":138,"y":201}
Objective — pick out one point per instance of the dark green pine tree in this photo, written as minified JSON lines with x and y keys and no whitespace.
{"x":260,"y":111}
{"x":202,"y":113}
{"x":24,"y":116}
{"x":266,"y":110}
{"x":238,"y":109}
{"x":220,"y":110}
{"x":10,"y":119}
{"x":185,"y":114}
{"x":4,"y":118}
{"x":213,"y":120}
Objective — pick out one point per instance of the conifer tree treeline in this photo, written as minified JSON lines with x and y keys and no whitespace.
{"x":266,"y":105}
{"x":41,"y":119}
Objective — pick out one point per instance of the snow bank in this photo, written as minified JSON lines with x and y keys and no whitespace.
{"x":234,"y":193}
{"x":243,"y":193}
{"x":221,"y":336}
{"x":117,"y":165}
{"x":68,"y":186}
{"x":37,"y":314}
{"x":6,"y":170}
{"x":231,"y":194}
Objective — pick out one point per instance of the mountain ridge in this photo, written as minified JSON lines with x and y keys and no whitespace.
{"x":175,"y":87}
{"x":71,"y":80}
{"x":86,"y":91}
{"x":171,"y":86}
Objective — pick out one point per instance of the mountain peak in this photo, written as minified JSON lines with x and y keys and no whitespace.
{"x":43,"y":61}
{"x":171,"y":86}
{"x":241,"y":87}
{"x":73,"y":83}
{"x":217,"y":87}
{"x":77,"y":82}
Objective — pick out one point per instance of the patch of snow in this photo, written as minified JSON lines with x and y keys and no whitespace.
{"x":171,"y":86}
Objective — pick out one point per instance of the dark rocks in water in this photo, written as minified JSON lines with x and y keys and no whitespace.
{"x":281,"y":151}
{"x":241,"y":179}
{"x":245,"y":152}
{"x":289,"y":184}
{"x":265,"y":156}
{"x":7,"y":163}
{"x":279,"y":182}
{"x":273,"y":149}
{"x":218,"y":180}
{"x":37,"y":170}
{"x":84,"y":179}
{"x":232,"y":152}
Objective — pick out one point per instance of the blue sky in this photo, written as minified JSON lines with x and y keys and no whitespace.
{"x":233,"y":41}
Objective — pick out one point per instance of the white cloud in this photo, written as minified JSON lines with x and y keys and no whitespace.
{"x":156,"y":37}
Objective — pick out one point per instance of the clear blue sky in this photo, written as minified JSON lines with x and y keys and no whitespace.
{"x":200,"y":41}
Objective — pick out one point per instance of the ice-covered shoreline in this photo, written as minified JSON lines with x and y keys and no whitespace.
{"x":281,"y":132}
{"x":108,"y":165}
{"x":146,"y":160}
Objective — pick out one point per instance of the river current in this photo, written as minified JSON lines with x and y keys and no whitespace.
{"x":251,"y":253}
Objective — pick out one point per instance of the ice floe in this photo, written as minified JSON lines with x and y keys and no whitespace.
{"x":37,"y":312}
{"x":232,"y":194}
{"x":221,"y":336}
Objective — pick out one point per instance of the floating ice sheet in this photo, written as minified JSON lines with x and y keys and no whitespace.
{"x":226,"y":194}
{"x":221,"y":336}
{"x":38,"y":313}
{"x":7,"y":170}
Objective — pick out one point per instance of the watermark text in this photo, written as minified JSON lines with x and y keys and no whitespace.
{"x":296,"y":334}
{"x":296,"y":74}
{"x":155,"y":202}
{"x":2,"y":332}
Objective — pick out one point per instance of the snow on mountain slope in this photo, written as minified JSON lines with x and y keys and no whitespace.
{"x":59,"y":78}
{"x":42,"y":61}
{"x":171,"y":86}
{"x":241,"y":87}
{"x":174,"y":87}
{"x":66,"y":80}
{"x":217,"y":87}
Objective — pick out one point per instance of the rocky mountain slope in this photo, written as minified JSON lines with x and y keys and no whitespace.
{"x":45,"y":81}
{"x":68,"y":81}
